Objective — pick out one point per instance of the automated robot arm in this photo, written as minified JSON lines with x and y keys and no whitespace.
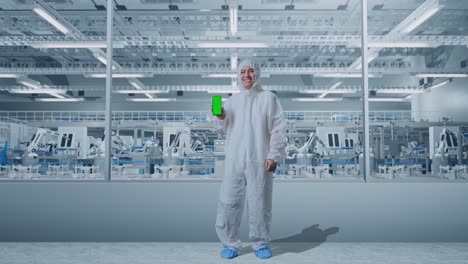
{"x":311,"y":142}
{"x":447,"y":139}
{"x":42,"y":139}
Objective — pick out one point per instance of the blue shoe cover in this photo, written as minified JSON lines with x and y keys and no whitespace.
{"x":263,"y":253}
{"x":228,"y":253}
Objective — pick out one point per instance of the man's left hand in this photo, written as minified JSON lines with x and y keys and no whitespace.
{"x":270,"y":165}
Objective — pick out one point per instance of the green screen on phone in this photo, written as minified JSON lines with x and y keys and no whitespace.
{"x":216,"y":101}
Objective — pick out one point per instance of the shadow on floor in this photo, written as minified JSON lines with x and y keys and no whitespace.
{"x":309,"y":238}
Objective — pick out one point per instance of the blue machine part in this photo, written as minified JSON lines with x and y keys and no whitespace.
{"x":344,"y":161}
{"x":341,"y":117}
{"x":3,"y":153}
{"x":46,"y":163}
{"x":419,"y":148}
{"x":60,"y":149}
{"x":137,"y":147}
{"x":194,"y":162}
{"x":404,"y":162}
{"x":122,"y":161}
{"x":207,"y":146}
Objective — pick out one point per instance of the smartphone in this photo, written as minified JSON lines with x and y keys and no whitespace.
{"x":216,"y":102}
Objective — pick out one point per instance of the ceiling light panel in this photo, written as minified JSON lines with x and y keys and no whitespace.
{"x":63,"y":100}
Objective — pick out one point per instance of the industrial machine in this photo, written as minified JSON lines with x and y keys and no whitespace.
{"x":44,"y":141}
{"x":446,"y":152}
{"x":186,"y":150}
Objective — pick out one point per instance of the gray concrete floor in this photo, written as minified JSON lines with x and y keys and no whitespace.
{"x":292,"y":253}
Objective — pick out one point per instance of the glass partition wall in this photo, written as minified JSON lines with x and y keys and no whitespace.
{"x":188,"y":55}
{"x":425,"y":73}
{"x":398,"y":117}
{"x":48,"y":130}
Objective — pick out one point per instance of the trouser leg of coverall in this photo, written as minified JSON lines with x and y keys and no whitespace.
{"x":230,"y":206}
{"x":259,"y":202}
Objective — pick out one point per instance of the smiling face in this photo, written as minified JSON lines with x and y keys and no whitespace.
{"x":248,"y":77}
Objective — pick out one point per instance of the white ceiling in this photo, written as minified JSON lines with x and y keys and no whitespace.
{"x":174,"y":32}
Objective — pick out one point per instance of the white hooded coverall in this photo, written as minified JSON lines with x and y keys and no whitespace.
{"x":255,"y":131}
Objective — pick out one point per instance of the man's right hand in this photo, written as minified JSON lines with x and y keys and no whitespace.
{"x":223,"y":114}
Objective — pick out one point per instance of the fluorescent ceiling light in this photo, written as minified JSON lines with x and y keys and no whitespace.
{"x":402,"y":45}
{"x":421,"y":18}
{"x":232,"y":44}
{"x":151,"y":99}
{"x":30,"y":83}
{"x":118,"y":75}
{"x":35,"y":85}
{"x":137,"y":84}
{"x":437,"y":85}
{"x":141,"y":91}
{"x":421,"y":14}
{"x":102,"y":59}
{"x":228,"y":75}
{"x":399,"y":91}
{"x":8,"y":75}
{"x":233,"y":19}
{"x":52,"y":20}
{"x":38,"y":91}
{"x":372,"y":55}
{"x":224,"y":91}
{"x":317,"y":99}
{"x":441,"y":75}
{"x":346,"y":75}
{"x":319,"y":91}
{"x":331,"y":88}
{"x":219,"y":75}
{"x":59,"y":99}
{"x":335,"y":85}
{"x":386,"y":99}
{"x":74,"y":45}
{"x":58,"y":95}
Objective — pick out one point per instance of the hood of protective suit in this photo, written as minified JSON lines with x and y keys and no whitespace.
{"x":256,"y":88}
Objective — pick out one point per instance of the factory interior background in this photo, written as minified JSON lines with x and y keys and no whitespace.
{"x":112,"y":139}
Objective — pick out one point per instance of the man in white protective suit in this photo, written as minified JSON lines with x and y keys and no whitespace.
{"x":255,"y":142}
